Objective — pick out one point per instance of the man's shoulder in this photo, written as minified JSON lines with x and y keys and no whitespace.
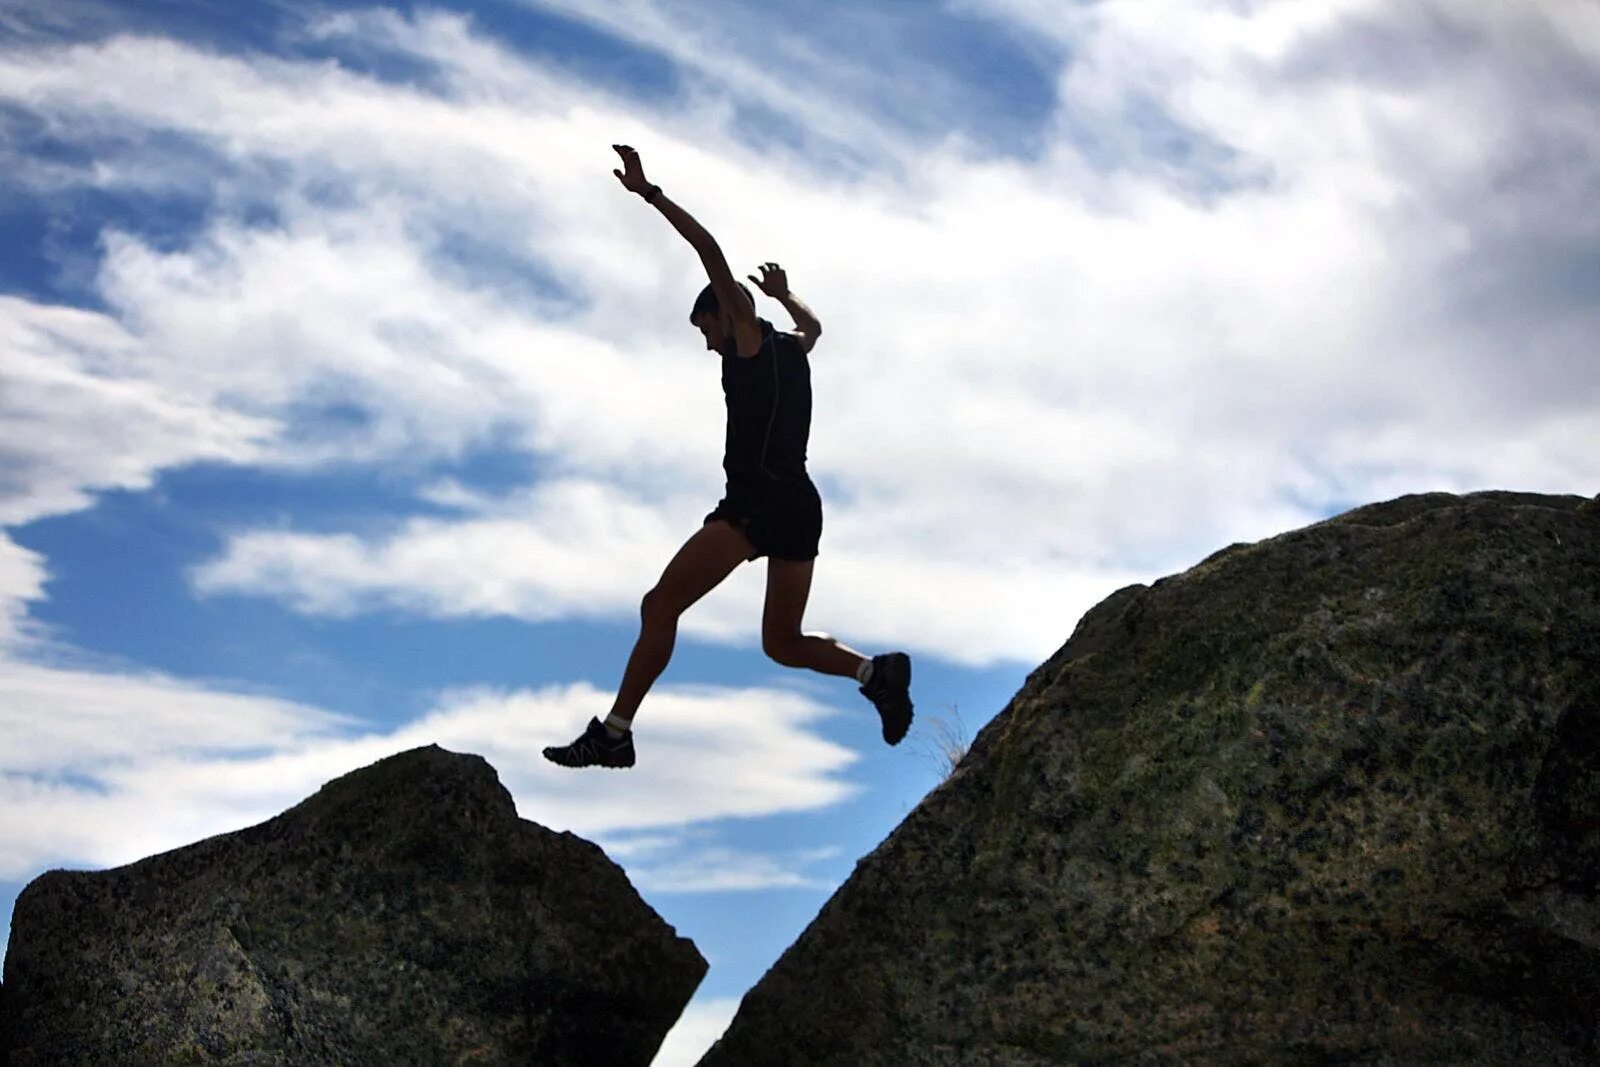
{"x":789,"y":342}
{"x":781,"y":342}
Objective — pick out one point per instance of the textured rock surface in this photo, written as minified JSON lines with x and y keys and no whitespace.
{"x":402,"y":914}
{"x":1331,"y":797}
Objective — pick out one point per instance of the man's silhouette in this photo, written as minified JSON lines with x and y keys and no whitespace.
{"x":770,"y":507}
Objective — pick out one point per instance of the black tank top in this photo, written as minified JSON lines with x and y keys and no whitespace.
{"x":769,"y":408}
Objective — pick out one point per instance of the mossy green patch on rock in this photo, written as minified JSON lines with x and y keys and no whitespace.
{"x":1330,"y":797}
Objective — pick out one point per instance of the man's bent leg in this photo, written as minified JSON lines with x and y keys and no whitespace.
{"x":885,"y":679}
{"x":821,"y":653}
{"x":708,"y":557}
{"x":788,"y":588}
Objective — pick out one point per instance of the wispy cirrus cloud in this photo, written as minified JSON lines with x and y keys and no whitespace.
{"x":81,"y":413}
{"x":22,"y":577}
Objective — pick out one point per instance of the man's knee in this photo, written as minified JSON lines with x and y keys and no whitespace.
{"x":786,"y":649}
{"x":658,"y":607}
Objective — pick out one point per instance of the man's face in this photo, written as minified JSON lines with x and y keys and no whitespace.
{"x":710,"y":326}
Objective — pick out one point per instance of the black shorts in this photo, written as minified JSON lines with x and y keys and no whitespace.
{"x":782,"y":519}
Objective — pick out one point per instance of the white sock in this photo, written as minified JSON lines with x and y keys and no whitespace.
{"x":864,"y":672}
{"x":616,"y":727}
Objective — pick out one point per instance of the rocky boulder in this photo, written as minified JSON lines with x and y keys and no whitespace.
{"x":403,"y":914}
{"x":1330,"y":797}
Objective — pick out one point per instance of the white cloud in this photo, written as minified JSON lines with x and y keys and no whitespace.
{"x":734,"y":55}
{"x":79,"y":413}
{"x":697,"y":1029}
{"x":691,"y":862}
{"x":101,"y":768}
{"x":1247,"y":277}
{"x":72,"y":718}
{"x":22,"y":577}
{"x":541,"y":542}
{"x":722,"y":870}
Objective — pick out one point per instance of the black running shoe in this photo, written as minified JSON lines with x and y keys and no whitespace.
{"x":889,"y":689}
{"x":594,"y":749}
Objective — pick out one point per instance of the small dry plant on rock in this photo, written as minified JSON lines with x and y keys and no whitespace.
{"x":948,"y":743}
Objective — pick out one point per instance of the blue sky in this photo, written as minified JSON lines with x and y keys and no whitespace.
{"x":348,"y":404}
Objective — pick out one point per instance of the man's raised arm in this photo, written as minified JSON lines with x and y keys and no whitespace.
{"x":746,"y":328}
{"x":774,"y":281}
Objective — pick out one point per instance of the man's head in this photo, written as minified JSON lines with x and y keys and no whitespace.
{"x":711,"y":320}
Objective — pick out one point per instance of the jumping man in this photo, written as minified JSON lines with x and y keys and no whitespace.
{"x":770,"y":507}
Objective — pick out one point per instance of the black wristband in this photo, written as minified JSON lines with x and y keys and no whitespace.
{"x":650,"y":197}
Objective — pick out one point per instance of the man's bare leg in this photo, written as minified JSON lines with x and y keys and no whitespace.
{"x":703,"y":561}
{"x":822,"y":653}
{"x":886,"y":679}
{"x":788,"y":588}
{"x":818,"y":652}
{"x":708,"y":557}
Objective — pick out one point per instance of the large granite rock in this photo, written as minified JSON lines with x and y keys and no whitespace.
{"x":1329,"y":798}
{"x":403,"y":914}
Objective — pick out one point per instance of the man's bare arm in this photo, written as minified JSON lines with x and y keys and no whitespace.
{"x":775,"y":283}
{"x":804,"y":321}
{"x":746,"y":328}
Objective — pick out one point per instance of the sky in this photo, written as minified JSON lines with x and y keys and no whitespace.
{"x":349,"y":404}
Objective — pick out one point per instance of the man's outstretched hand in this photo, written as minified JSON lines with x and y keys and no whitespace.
{"x":632,"y":173}
{"x":773,"y":281}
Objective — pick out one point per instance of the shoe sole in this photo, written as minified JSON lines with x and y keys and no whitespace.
{"x":581,"y":766}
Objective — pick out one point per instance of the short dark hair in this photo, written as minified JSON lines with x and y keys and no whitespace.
{"x":706,"y":303}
